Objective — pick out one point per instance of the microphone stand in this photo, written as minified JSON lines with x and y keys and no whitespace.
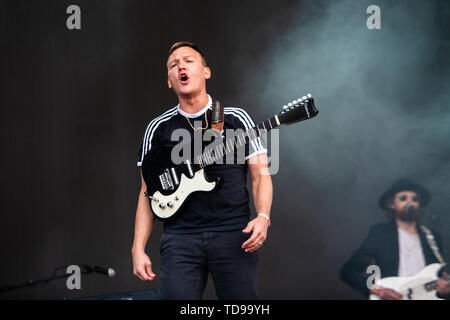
{"x":84,"y":270}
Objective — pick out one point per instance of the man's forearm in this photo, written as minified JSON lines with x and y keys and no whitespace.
{"x":262,"y":194}
{"x":144,"y":223}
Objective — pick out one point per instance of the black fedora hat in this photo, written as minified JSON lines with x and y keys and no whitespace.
{"x":405,"y":184}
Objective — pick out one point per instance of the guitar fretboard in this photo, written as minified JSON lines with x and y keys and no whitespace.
{"x":430,"y":286}
{"x":211,"y":155}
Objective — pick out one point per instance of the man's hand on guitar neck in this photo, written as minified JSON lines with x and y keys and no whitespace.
{"x":443,"y":286}
{"x":386,"y":294}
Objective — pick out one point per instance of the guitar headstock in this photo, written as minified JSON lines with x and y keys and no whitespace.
{"x":298,"y":110}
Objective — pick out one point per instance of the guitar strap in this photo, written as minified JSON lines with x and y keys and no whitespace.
{"x":432,"y":244}
{"x":217,"y":116}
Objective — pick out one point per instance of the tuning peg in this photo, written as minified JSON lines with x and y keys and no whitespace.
{"x":309,"y":95}
{"x":304,"y":98}
{"x":289,"y":104}
{"x":285,"y":107}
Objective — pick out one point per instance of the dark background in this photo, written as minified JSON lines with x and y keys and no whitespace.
{"x":75,"y":105}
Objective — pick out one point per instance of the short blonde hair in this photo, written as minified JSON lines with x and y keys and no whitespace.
{"x":180,"y":44}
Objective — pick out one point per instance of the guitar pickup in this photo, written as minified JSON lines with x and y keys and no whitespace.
{"x":166,"y":180}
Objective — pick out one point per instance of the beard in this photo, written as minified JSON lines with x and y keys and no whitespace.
{"x":408,"y":215}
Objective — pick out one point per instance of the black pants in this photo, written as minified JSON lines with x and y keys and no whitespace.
{"x":187,"y":259}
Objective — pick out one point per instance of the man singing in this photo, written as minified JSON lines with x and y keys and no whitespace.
{"x":212,"y":233}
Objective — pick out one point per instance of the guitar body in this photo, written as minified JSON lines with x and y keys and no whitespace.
{"x":168,"y":189}
{"x":413,"y":287}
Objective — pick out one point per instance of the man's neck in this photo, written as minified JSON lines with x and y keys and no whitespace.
{"x":193,"y":104}
{"x":408,"y":226}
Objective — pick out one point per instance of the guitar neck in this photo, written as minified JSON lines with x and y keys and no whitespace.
{"x":430,"y":286}
{"x":210,"y":155}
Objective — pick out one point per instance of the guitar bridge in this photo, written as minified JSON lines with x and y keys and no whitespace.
{"x":166,"y":180}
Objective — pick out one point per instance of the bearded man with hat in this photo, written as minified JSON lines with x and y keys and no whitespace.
{"x":399,"y":247}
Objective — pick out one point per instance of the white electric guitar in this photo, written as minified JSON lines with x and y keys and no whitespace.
{"x":421,"y":286}
{"x":169,"y":184}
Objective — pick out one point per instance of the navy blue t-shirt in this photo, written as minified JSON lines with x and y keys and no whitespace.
{"x":225,"y":208}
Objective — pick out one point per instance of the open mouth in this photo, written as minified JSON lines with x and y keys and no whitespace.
{"x":184,"y":78}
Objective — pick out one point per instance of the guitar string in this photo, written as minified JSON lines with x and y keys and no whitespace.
{"x":184,"y":168}
{"x":256,"y":135}
{"x":257,"y":132}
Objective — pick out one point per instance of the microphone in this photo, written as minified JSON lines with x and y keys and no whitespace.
{"x":110,"y":272}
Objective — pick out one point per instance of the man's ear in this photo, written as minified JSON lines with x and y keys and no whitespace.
{"x":169,"y":84}
{"x":207,"y":72}
{"x":390,"y":204}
